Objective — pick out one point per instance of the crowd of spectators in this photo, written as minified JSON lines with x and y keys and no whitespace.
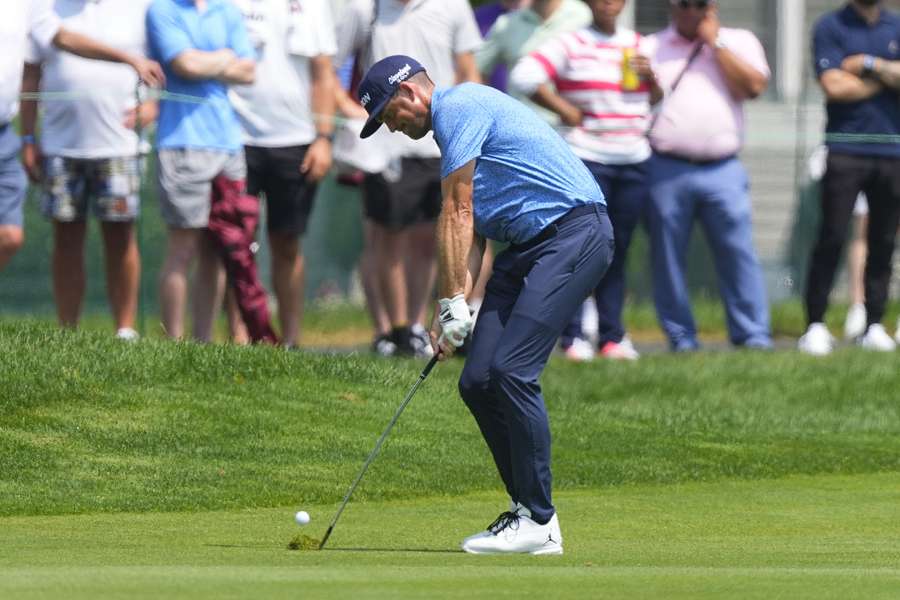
{"x":248,"y":103}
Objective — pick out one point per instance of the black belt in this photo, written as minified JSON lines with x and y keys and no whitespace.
{"x":553,"y":228}
{"x":695,"y":161}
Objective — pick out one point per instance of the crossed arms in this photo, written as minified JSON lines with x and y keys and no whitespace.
{"x":852,"y":82}
{"x":223,"y":65}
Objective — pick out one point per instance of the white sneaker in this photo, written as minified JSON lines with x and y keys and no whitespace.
{"x":855,"y":324}
{"x":623,"y":350}
{"x":817,"y":340}
{"x":581,"y":350}
{"x":513,"y":509}
{"x":128,"y":334}
{"x":876,"y":338}
{"x":516,"y":533}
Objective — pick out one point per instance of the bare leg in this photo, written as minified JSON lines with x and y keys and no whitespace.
{"x":209,"y":287}
{"x":123,"y":272}
{"x":11,"y":239}
{"x":237,"y":329}
{"x":856,"y":259}
{"x":420,"y":269}
{"x":372,"y":290}
{"x":287,"y":279}
{"x":180,"y":251}
{"x":389,"y":246}
{"x":68,"y":270}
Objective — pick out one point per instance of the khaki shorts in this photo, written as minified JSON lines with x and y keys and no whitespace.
{"x":185,"y":182}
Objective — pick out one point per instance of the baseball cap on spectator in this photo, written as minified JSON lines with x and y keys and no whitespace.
{"x":380,"y":84}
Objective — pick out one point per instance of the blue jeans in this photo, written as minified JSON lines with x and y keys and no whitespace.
{"x":717,"y":194}
{"x":530,"y":297}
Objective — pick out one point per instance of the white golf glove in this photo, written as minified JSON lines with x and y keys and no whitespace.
{"x":456,"y":320}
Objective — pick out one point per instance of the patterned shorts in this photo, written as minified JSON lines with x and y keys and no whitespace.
{"x":109,"y":186}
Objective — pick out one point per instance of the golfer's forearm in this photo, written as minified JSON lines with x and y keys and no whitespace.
{"x":241,"y":71}
{"x":31,"y":82}
{"x":323,"y":94}
{"x":199,"y":64}
{"x":476,"y":257}
{"x":86,"y":47}
{"x":455,"y":233}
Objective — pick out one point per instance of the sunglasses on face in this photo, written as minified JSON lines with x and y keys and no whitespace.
{"x":686,"y":4}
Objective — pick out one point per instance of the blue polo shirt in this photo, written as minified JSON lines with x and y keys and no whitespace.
{"x":843,"y":33}
{"x":526,"y":176}
{"x":205,"y":119}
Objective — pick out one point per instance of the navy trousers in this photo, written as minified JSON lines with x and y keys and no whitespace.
{"x":531,"y":295}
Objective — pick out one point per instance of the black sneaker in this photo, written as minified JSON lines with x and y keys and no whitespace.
{"x":384,"y":346}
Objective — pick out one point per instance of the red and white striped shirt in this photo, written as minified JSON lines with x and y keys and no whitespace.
{"x":586,"y":68}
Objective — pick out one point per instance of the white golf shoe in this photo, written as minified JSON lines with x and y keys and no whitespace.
{"x":513,"y":509}
{"x":876,"y":338}
{"x":817,"y":340}
{"x":516,"y":533}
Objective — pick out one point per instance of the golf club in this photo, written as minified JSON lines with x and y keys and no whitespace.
{"x":377,"y":447}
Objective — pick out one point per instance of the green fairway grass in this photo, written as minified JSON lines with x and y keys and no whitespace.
{"x":164,"y":469}
{"x":800,"y":537}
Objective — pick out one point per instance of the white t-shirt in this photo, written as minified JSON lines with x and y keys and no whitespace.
{"x":90,"y":124}
{"x":433,"y":32}
{"x":276,"y":110}
{"x":22,"y":20}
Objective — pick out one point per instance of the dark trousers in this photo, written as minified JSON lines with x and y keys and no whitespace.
{"x":531,"y":295}
{"x":845,"y":176}
{"x":626,"y":190}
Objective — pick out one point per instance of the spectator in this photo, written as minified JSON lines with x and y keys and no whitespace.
{"x":708,"y":72}
{"x":89,"y":153}
{"x":856,"y":53}
{"x":517,"y":33}
{"x":33,"y":21}
{"x":486,"y":15}
{"x":287,"y":116}
{"x":203,"y":46}
{"x":402,"y":202}
{"x":606,"y":119}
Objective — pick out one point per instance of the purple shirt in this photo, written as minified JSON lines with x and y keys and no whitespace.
{"x":485,"y":16}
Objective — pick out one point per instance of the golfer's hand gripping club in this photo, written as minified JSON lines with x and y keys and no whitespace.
{"x":455,"y":318}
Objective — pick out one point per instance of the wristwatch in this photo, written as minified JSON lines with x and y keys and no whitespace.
{"x":868,"y":66}
{"x":719,"y":43}
{"x":325,"y":136}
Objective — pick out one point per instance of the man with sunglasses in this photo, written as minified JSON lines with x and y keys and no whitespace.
{"x":856,"y":52}
{"x":708,"y":72}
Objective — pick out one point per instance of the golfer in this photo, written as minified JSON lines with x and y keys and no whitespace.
{"x":505,"y":175}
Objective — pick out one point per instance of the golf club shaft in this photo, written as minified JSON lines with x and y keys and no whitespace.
{"x":378,"y":444}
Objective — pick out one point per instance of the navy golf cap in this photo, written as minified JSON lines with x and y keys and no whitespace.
{"x":380,"y":84}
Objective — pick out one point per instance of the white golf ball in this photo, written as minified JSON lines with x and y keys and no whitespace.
{"x":302,"y":517}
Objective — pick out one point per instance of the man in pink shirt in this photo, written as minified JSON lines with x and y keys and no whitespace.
{"x":707,"y":72}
